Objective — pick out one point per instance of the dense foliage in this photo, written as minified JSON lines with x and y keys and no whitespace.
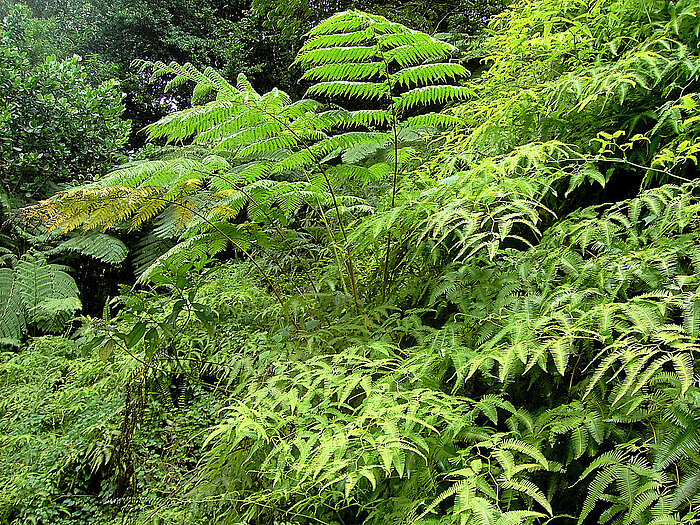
{"x":259,"y":38}
{"x":408,"y":297}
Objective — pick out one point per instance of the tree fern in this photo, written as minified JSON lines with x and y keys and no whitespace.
{"x":386,"y":65}
{"x":242,"y":137}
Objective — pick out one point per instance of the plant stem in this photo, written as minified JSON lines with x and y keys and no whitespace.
{"x":348,"y":251}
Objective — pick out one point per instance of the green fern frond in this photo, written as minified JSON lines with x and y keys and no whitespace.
{"x":12,"y":310}
{"x":349,"y":89}
{"x":333,"y":38}
{"x":406,"y":51}
{"x":38,"y":281}
{"x":359,"y":56}
{"x":148,"y":249}
{"x":429,"y":74}
{"x":196,"y":247}
{"x":336,"y":55}
{"x":681,"y":441}
{"x":435,"y":120}
{"x":596,"y":490}
{"x":100,"y":246}
{"x":686,"y":491}
{"x":691,"y":317}
{"x":530,"y":489}
{"x":359,"y":118}
{"x":526,"y":449}
{"x":345,"y":71}
{"x":35,"y":293}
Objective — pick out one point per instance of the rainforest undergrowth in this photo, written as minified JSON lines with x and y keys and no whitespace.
{"x":414,"y":296}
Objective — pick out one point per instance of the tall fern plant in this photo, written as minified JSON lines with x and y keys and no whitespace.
{"x":395,"y":71}
{"x":229,"y":170}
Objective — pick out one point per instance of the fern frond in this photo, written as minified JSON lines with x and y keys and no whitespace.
{"x":526,"y":449}
{"x":36,"y":293}
{"x":196,"y":247}
{"x":680,"y":442}
{"x":336,"y":55}
{"x":431,"y":96}
{"x":345,"y":71}
{"x":436,"y":120}
{"x":530,"y":489}
{"x":12,"y":311}
{"x":349,"y":89}
{"x":100,"y":246}
{"x":428,"y":74}
{"x":410,"y":53}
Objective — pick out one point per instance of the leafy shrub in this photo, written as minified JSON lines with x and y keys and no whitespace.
{"x":60,"y":416}
{"x":56,"y":127}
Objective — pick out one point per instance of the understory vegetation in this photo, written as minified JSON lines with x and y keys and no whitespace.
{"x":455,"y":282}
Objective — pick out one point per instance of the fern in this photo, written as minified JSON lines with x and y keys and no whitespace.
{"x":35,"y":293}
{"x":681,"y":439}
{"x":11,"y":309}
{"x":243,"y":138}
{"x":358,"y":56}
{"x":100,"y":246}
{"x":518,"y":332}
{"x":379,"y":61}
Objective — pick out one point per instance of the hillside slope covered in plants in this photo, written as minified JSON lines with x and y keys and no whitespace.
{"x":415,"y":295}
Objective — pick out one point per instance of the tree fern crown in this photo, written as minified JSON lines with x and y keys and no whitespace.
{"x":357,"y":56}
